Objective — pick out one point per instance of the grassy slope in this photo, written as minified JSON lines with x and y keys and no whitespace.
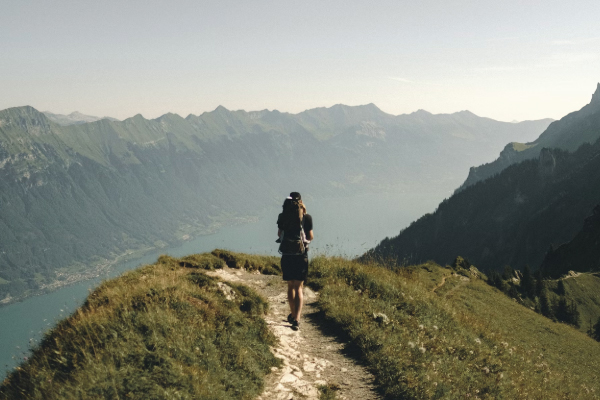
{"x":167,"y":331}
{"x":466,"y":339}
{"x":162,"y":331}
{"x":584,"y":289}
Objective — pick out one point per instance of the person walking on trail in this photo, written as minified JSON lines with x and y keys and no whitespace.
{"x":295,"y":231}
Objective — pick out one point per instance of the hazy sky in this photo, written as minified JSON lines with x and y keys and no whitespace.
{"x":500,"y":59}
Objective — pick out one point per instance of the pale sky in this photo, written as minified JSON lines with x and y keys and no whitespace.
{"x":507,"y":60}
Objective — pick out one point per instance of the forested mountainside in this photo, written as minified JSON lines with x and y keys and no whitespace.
{"x":511,"y":219}
{"x":83,"y":193}
{"x":582,"y":253}
{"x":568,"y":133}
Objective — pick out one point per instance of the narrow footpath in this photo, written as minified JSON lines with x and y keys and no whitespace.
{"x":310,"y":357}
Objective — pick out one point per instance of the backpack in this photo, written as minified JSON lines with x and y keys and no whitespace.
{"x":291,"y":222}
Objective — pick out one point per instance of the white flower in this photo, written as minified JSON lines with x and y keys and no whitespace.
{"x":435,"y":327}
{"x":478,"y":341}
{"x":422,"y":349}
{"x":411,"y":344}
{"x":421,"y":327}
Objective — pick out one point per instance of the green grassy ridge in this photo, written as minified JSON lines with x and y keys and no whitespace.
{"x":466,"y":339}
{"x":584,"y":290}
{"x":161,"y":331}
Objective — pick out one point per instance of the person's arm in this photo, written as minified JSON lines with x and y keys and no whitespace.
{"x":309,"y":235}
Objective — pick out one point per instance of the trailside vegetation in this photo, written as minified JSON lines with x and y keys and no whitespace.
{"x":166,"y":330}
{"x":432,"y":332}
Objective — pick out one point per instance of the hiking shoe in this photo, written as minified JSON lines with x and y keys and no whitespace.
{"x":290,"y":319}
{"x":295,"y":325}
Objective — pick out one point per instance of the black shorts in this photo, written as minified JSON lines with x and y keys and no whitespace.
{"x":294,"y":268}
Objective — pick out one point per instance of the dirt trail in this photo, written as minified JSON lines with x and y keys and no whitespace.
{"x":463,"y":281}
{"x":310,"y":357}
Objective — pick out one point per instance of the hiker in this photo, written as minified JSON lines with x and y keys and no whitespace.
{"x":295,"y":231}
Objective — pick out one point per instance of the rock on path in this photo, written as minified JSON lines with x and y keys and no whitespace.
{"x":310,"y":358}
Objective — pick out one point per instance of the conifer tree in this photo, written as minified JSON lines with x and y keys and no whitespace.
{"x":574,"y":316}
{"x":539,"y":283}
{"x":545,"y":307}
{"x":508,"y":273}
{"x":561,"y":310}
{"x":560,"y":289}
{"x":528,"y":283}
{"x":596,"y":330}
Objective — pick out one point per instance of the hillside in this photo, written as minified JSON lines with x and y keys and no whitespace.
{"x":568,"y":133}
{"x":582,"y":253}
{"x":424,"y":332}
{"x":73,"y":198}
{"x":512,"y":218}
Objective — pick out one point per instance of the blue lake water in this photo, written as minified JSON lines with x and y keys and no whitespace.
{"x":345,"y":227}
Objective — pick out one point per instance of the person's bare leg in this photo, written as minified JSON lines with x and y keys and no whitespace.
{"x":291,"y":297}
{"x":298,"y":299}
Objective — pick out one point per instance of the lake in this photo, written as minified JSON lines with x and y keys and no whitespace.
{"x":342,"y":226}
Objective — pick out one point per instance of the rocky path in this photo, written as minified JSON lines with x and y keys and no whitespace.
{"x":310,"y":357}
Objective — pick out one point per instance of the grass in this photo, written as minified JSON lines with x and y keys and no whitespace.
{"x":584,"y":289}
{"x":328,"y":392}
{"x":161,"y":331}
{"x":465,"y":340}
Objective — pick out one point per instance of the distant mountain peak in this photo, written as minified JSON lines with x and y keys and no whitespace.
{"x":596,"y":95}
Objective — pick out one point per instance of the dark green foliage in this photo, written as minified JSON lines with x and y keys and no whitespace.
{"x":596,"y":330}
{"x":495,"y":279}
{"x":581,"y":254}
{"x":565,"y":311}
{"x":528,"y":283}
{"x":509,"y":219}
{"x":560,"y":288}
{"x":545,"y":306}
{"x":508,"y":273}
{"x":539,"y":283}
{"x":515,"y":215}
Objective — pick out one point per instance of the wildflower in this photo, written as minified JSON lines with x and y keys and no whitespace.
{"x":435,"y":327}
{"x":486,"y":370}
{"x":422,"y":349}
{"x":421,"y":326}
{"x":504,"y":344}
{"x":478,"y":341}
{"x":411,"y":344}
{"x":471,"y":352}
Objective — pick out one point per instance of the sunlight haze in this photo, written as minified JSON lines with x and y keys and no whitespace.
{"x":509,"y":60}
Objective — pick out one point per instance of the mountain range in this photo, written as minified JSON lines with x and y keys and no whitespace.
{"x":521,"y":215}
{"x":76,"y":196}
{"x":74,"y":118}
{"x":568,"y":133}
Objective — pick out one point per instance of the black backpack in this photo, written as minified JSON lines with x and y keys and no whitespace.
{"x":291,"y":222}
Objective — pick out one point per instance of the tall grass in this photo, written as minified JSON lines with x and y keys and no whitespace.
{"x":463,"y":340}
{"x":162,"y":331}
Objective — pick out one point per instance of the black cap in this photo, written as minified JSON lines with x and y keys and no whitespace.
{"x":295,"y":196}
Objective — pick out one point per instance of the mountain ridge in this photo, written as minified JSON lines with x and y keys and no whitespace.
{"x":111,"y":184}
{"x":567,"y":133}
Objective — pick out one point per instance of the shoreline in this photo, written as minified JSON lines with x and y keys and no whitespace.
{"x":96,"y":271}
